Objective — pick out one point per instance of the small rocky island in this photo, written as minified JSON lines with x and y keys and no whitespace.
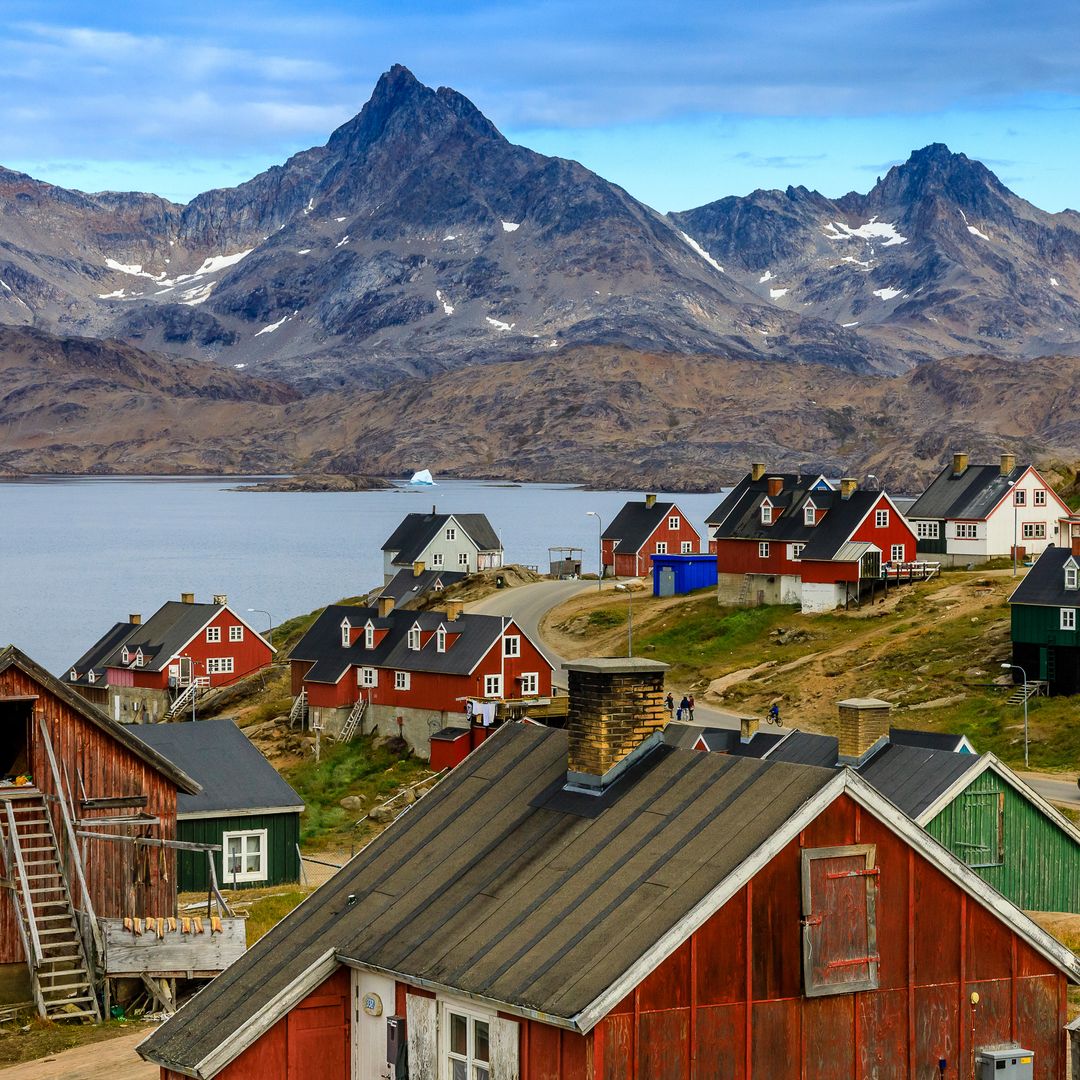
{"x":320,"y":482}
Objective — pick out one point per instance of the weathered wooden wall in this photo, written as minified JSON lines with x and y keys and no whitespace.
{"x":282,"y":836}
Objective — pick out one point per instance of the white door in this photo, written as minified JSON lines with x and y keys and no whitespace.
{"x":372,"y":1003}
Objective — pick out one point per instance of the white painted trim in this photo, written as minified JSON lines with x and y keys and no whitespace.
{"x":224,"y":607}
{"x":245,"y":876}
{"x":253,"y":811}
{"x":1022,"y":476}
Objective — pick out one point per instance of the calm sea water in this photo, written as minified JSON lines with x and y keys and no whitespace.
{"x":80,"y":554}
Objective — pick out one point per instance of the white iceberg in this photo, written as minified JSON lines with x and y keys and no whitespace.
{"x":422,"y":477}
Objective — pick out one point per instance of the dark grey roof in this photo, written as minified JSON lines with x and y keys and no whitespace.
{"x":721,"y":740}
{"x":94,"y":657}
{"x":970,"y":495}
{"x":746,"y":487}
{"x":635,"y":523}
{"x":407,"y":587}
{"x":164,"y":634}
{"x":502,"y":885}
{"x":475,"y":635}
{"x":416,"y":531}
{"x":807,"y":748}
{"x":928,"y":740}
{"x":912,"y":777}
{"x":12,"y":657}
{"x":233,"y":773}
{"x":1044,"y":583}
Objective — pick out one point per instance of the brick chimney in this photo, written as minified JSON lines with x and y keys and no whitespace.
{"x":757,"y":470}
{"x":386,"y":605}
{"x":187,"y":598}
{"x":848,"y":484}
{"x":135,"y":620}
{"x":454,"y":610}
{"x":616,"y":716}
{"x":1076,"y":546}
{"x":748,"y":726}
{"x":864,"y":723}
{"x":417,"y":569}
{"x":776,"y":485}
{"x":1008,"y":463}
{"x":959,"y":464}
{"x":650,"y":501}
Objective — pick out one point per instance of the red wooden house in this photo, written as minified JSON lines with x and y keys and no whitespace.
{"x":789,"y":539}
{"x":61,"y":757}
{"x":413,"y":672}
{"x":641,"y":530}
{"x":146,"y":671}
{"x":591,"y":903}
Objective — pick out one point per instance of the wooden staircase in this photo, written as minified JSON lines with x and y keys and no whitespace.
{"x":1025,"y":691}
{"x":299,"y":711}
{"x":48,"y":925}
{"x":353,"y":721}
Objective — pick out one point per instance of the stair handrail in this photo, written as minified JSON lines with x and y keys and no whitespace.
{"x":69,"y":831}
{"x":24,"y":883}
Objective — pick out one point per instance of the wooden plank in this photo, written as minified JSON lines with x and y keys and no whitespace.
{"x":114,"y":803}
{"x":126,"y":953}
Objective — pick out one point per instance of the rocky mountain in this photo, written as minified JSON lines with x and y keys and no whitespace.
{"x":938,"y":258}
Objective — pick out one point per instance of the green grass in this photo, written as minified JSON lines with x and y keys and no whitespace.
{"x":357,"y":768}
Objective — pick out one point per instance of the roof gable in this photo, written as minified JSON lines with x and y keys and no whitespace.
{"x":636,"y":522}
{"x":1044,"y":583}
{"x":417,"y":531}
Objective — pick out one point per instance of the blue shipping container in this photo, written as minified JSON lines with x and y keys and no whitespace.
{"x":684,"y":573}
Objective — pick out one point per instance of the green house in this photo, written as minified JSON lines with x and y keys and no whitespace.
{"x":1045,"y":634}
{"x":245,"y":809}
{"x":989,"y":818}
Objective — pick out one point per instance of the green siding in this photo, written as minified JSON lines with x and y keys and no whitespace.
{"x":1041,"y":866}
{"x":282,"y":836}
{"x":1041,"y":626}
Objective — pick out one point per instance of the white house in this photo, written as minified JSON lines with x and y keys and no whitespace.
{"x":972,"y":513}
{"x":457,"y":543}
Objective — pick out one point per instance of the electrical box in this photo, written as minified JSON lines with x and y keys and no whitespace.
{"x":1009,"y":1064}
{"x":395,"y":1037}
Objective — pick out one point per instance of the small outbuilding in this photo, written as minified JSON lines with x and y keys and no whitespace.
{"x":245,"y":809}
{"x":674,"y":575}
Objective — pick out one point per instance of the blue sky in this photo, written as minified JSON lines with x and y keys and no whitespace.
{"x":679,"y":103}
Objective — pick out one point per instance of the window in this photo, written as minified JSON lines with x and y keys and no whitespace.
{"x":74,"y":675}
{"x":980,"y":837}
{"x":687,"y":547}
{"x":468,"y":1054}
{"x":796,"y":551}
{"x":219,"y":665}
{"x":881,"y":519}
{"x":463,"y":558}
{"x":368,"y":676}
{"x":511,"y":645}
{"x":839,"y":931}
{"x":440,"y":639}
{"x":1019,"y":497}
{"x":530,"y":683}
{"x":125,"y":656}
{"x":966,"y":530}
{"x":809,"y":515}
{"x":1040,"y":497}
{"x":1034,"y":530}
{"x":91,"y":677}
{"x":926,"y":530}
{"x":244,"y":856}
{"x":401,"y":680}
{"x":661,"y":547}
{"x":236,"y":633}
{"x":674,"y":523}
{"x":346,"y":633}
{"x":763,"y":551}
{"x":213,"y":634}
{"x":897,"y":553}
{"x":436,"y":558}
{"x":369,"y":636}
{"x":451,"y":534}
{"x":414,"y":638}
{"x":137,"y":660}
{"x":1070,"y":577}
{"x":1068,"y":618}
{"x":492,"y":686}
{"x":766,"y":513}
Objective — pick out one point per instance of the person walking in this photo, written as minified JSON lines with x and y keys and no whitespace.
{"x":684,"y":707}
{"x":669,"y":703}
{"x":690,"y":706}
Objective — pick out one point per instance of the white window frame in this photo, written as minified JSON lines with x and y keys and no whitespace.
{"x":1019,"y":497}
{"x":91,"y":677}
{"x":463,"y":558}
{"x":213,"y":635}
{"x":436,"y":558}
{"x":1071,"y":576}
{"x":125,"y":655}
{"x":414,"y":638}
{"x":674,"y":522}
{"x":530,"y":683}
{"x":471,"y":1015}
{"x":137,"y":659}
{"x":261,"y":874}
{"x":402,"y":680}
{"x":493,"y":686}
{"x":74,"y":676}
{"x":1068,"y":618}
{"x":440,"y":639}
{"x":1033,"y":530}
{"x":1039,"y":497}
{"x":927,"y":530}
{"x":369,"y":635}
{"x":687,"y":547}
{"x":661,"y":547}
{"x":451,"y":533}
{"x":881,"y":519}
{"x":796,"y":552}
{"x":236,"y":633}
{"x":898,"y":553}
{"x":809,"y":515}
{"x":346,"y":633}
{"x":967,"y":530}
{"x":219,"y":665}
{"x":367,"y":677}
{"x":766,"y":513}
{"x":511,"y":646}
{"x":763,"y":549}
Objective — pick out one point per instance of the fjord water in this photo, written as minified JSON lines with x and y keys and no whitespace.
{"x":82,"y":553}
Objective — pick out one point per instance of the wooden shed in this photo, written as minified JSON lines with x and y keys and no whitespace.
{"x":592,"y":903}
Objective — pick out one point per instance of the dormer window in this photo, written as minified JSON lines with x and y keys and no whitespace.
{"x":91,"y":677}
{"x":1071,"y":577}
{"x":74,"y":675}
{"x":766,"y":513}
{"x":414,"y":638}
{"x":138,"y":661}
{"x":440,"y":639}
{"x":346,"y":633}
{"x":369,"y":635}
{"x":125,"y":656}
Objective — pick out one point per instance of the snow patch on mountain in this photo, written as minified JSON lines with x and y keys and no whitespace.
{"x":887,"y":293}
{"x":269,"y":329}
{"x":872,"y":230}
{"x":975,"y":232}
{"x":775,"y":294}
{"x":701,"y":251}
{"x":511,"y":226}
{"x":447,"y":307}
{"x":498,"y":324}
{"x":219,"y":262}
{"x":767,"y":276}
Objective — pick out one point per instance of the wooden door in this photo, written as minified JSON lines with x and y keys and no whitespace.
{"x":318,"y":1039}
{"x":372,"y":1003}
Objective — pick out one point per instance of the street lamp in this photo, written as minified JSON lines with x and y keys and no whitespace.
{"x":1006,"y":667}
{"x":270,"y":631}
{"x":599,"y":547}
{"x":629,"y":618}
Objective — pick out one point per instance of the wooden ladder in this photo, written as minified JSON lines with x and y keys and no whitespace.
{"x":49,"y":928}
{"x":744,"y":592}
{"x":352,"y":722}
{"x":183,"y":701}
{"x":299,"y":711}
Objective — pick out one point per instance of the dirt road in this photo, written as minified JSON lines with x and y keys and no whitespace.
{"x":114,"y":1059}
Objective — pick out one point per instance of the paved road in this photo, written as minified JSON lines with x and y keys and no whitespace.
{"x":1063,"y":792}
{"x":113,"y":1059}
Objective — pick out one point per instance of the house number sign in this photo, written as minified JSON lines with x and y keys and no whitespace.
{"x":372,"y":1005}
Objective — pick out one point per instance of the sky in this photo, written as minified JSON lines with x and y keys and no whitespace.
{"x":679,"y":103}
